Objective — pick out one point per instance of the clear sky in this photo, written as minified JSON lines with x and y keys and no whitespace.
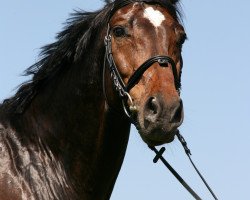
{"x":216,"y":95}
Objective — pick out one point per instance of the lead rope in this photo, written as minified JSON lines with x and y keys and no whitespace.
{"x":188,"y":152}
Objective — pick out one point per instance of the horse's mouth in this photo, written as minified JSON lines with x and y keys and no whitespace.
{"x":157,"y":137}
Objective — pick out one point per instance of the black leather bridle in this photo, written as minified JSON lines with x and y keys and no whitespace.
{"x":120,"y":86}
{"x":163,"y":61}
{"x":123,"y":91}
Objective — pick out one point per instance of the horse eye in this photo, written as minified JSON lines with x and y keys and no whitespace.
{"x":119,"y":31}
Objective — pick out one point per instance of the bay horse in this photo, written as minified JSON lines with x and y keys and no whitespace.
{"x":64,"y":134}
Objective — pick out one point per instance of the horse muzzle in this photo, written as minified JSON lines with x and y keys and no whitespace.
{"x":159,"y":119}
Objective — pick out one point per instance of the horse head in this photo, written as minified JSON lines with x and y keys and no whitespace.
{"x":143,"y":48}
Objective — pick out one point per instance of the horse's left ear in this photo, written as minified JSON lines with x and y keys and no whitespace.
{"x":108,"y":1}
{"x":173,"y":1}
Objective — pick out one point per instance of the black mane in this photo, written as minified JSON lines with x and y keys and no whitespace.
{"x":70,"y":46}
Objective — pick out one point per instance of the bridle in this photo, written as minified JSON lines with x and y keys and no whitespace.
{"x":120,"y":86}
{"x":123,"y":92}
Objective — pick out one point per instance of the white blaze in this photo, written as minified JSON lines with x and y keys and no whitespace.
{"x":154,"y":16}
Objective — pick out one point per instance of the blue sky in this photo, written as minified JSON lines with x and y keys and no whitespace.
{"x":216,"y":95}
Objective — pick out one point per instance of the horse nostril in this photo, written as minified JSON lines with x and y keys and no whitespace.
{"x":152,"y":109}
{"x":176,"y":116}
{"x":152,"y":105}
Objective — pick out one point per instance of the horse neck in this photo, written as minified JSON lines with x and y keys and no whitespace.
{"x":70,"y":119}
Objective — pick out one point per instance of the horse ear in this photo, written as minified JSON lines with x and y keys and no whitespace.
{"x":108,"y":1}
{"x":173,"y":1}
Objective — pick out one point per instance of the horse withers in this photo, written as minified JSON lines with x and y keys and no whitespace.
{"x":64,"y":134}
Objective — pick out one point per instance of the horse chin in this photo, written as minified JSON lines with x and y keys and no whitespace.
{"x":157,"y":137}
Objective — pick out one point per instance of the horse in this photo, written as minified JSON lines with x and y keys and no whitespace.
{"x":64,"y":134}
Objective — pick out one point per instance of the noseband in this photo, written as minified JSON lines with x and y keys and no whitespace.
{"x":122,"y":88}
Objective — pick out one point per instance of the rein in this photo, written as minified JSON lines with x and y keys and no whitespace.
{"x":123,"y":91}
{"x":177,"y":176}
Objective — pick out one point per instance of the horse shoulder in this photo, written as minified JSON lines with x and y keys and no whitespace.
{"x":10,"y":185}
